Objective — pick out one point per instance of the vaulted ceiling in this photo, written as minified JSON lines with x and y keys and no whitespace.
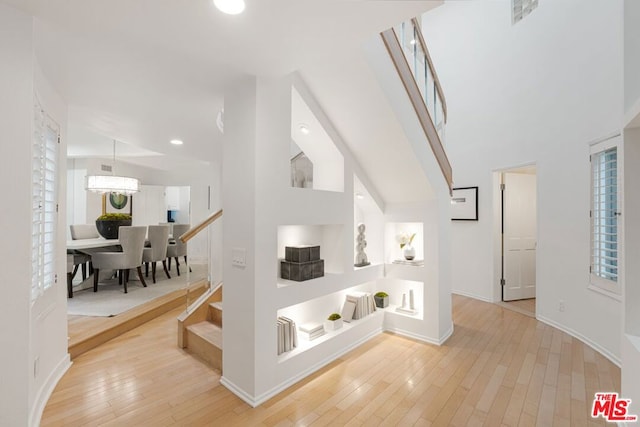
{"x":148,"y":71}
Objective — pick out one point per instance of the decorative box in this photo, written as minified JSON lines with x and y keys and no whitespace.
{"x":301,"y":271}
{"x":302,"y":253}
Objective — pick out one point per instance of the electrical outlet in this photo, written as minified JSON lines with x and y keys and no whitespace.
{"x":561,"y":306}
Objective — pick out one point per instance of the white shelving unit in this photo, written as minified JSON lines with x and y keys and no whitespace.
{"x":268,"y":215}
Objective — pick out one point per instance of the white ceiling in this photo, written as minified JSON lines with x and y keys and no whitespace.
{"x":148,"y":71}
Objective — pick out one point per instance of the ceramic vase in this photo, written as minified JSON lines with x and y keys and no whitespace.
{"x":409,"y":252}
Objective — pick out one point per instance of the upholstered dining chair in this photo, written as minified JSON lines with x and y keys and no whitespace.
{"x":80,"y":232}
{"x":132,"y":241}
{"x":158,"y":240}
{"x":178,"y":249}
{"x":84,"y":231}
{"x":70,"y":268}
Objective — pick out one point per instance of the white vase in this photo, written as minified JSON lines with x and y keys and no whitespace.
{"x":409,"y":252}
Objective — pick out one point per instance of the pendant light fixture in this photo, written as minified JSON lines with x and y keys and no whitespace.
{"x":112,"y":183}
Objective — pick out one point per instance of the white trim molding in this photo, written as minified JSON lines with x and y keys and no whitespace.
{"x":597,"y":347}
{"x":47,"y":389}
{"x":258,"y":400}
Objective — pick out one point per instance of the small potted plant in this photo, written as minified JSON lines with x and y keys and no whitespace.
{"x":382,"y":299}
{"x":108,"y":224}
{"x":333,"y":322}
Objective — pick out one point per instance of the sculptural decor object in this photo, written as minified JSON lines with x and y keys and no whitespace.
{"x":361,"y":243}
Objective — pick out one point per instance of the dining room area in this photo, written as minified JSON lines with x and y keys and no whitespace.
{"x":126,"y":261}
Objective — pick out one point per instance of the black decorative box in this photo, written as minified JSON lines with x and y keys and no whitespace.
{"x":302,"y":253}
{"x":301,"y":271}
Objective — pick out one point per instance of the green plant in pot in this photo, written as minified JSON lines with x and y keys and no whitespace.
{"x":108,"y":224}
{"x":382,"y":299}
{"x":333,"y":322}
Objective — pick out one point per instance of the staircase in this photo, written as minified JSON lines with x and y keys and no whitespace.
{"x":200,"y":330}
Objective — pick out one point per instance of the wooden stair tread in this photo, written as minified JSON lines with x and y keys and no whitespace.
{"x":207,"y":331}
{"x":217,"y":305}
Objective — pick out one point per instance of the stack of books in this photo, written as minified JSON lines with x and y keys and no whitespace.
{"x":287,"y":335}
{"x":358,"y":305}
{"x":311,"y":331}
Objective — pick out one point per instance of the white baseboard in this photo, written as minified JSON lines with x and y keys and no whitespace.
{"x":255,"y":401}
{"x":423,"y":338}
{"x":597,"y":347}
{"x":238,"y":391}
{"x":470,"y":295}
{"x":47,"y":388}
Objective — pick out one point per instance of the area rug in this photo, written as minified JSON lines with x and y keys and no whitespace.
{"x":110,"y":300}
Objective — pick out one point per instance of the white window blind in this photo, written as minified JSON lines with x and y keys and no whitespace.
{"x":44,"y":202}
{"x":604,"y":217}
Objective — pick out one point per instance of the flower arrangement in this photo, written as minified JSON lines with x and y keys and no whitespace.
{"x":405,"y":239}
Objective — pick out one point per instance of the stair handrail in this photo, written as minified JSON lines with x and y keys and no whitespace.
{"x":193,"y":231}
{"x":406,"y":74}
{"x":423,"y":45}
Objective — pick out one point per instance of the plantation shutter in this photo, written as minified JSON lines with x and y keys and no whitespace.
{"x":604,"y":214}
{"x":44,"y":202}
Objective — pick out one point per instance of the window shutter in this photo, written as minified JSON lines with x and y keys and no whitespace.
{"x":604,"y":214}
{"x":44,"y":173}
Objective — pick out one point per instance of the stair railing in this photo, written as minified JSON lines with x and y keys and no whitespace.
{"x":189,"y":235}
{"x":408,"y":51}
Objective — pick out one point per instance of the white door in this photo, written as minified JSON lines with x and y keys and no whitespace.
{"x":149,"y":205}
{"x":519,"y":222}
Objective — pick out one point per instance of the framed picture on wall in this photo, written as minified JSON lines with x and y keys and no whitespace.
{"x":117,"y":203}
{"x":464,"y":204}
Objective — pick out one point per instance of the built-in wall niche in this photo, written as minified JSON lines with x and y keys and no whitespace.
{"x":394,"y":233}
{"x":399,"y":289}
{"x":330,"y":238}
{"x":317,"y":310}
{"x":367,"y":212}
{"x":316,"y":163}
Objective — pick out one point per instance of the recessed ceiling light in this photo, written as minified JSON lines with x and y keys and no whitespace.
{"x":412,"y":42}
{"x":176,"y":142}
{"x":304,"y":129}
{"x":359,"y":196}
{"x":230,"y":7}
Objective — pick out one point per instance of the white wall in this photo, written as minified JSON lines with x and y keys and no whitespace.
{"x":34,"y":336}
{"x":631,"y":56}
{"x":631,"y":207}
{"x":48,"y":354}
{"x":532,"y":92}
{"x":16,"y":86}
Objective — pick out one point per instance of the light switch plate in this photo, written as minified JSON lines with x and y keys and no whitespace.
{"x":239,"y":257}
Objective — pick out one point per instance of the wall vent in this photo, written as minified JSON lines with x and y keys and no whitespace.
{"x":521,"y":8}
{"x":105,"y":168}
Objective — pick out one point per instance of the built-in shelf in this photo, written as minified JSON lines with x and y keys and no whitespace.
{"x":391,"y":309}
{"x":367,"y":266}
{"x":329,"y":237}
{"x":316,"y":162}
{"x":393,"y":251}
{"x":319,"y":281}
{"x":366,"y":211}
{"x":305,"y":345}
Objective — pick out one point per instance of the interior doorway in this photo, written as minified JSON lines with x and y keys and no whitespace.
{"x":518,"y":235}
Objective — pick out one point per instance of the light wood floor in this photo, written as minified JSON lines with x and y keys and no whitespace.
{"x":524,"y":306}
{"x":499,"y":368}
